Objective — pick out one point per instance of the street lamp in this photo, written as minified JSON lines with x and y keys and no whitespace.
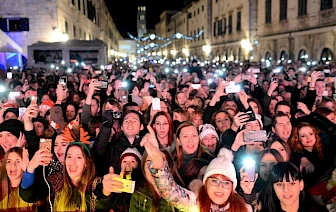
{"x":152,"y":36}
{"x":178,"y":35}
{"x":173,"y":52}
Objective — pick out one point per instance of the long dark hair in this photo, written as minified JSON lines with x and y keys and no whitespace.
{"x":283,"y":170}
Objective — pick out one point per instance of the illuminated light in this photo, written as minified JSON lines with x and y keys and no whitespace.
{"x":201,"y":64}
{"x":327,"y":63}
{"x":210,"y":81}
{"x":279,"y":61}
{"x":268,"y":63}
{"x":152,"y":36}
{"x":178,"y":35}
{"x":184,"y":63}
{"x":251,"y":58}
{"x":262,"y":60}
{"x":185,"y":70}
{"x":82,"y":64}
{"x":206,"y":49}
{"x":155,"y":61}
{"x":176,"y":71}
{"x":236,"y":61}
{"x":77,"y":63}
{"x":102,"y":67}
{"x":216,"y":75}
{"x":64,"y":37}
{"x":112,"y":52}
{"x":173,"y":52}
{"x":289,"y":61}
{"x":138,"y":51}
{"x":220,"y":72}
{"x":173,"y":63}
{"x":303,"y":69}
{"x":142,"y":49}
{"x":63,"y":62}
{"x":159,"y":53}
{"x":124,"y":84}
{"x":151,"y":45}
{"x":52,"y":66}
{"x":154,"y":53}
{"x":167,"y":62}
{"x":2,"y":88}
{"x":249,"y":162}
{"x":167,"y":70}
{"x":69,"y":70}
{"x":277,"y":70}
{"x":314,"y":63}
{"x":245,"y":43}
{"x":308,"y":63}
{"x":57,"y":67}
{"x":241,"y":64}
{"x":135,"y":67}
{"x":15,"y":67}
{"x":164,"y":53}
{"x":148,"y":54}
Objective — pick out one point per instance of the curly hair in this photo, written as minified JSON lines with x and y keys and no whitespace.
{"x":295,"y":143}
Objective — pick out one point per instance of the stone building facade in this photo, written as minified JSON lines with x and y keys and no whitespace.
{"x":59,"y":20}
{"x":255,"y":30}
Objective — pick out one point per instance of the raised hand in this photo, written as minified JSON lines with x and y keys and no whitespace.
{"x":246,"y":185}
{"x":304,"y":108}
{"x":239,"y":141}
{"x":110,"y":185}
{"x":93,"y":86}
{"x":25,"y":159}
{"x":151,"y":145}
{"x":21,"y":141}
{"x":41,"y":158}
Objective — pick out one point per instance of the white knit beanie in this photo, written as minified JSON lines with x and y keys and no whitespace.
{"x":207,"y":129}
{"x":222,"y":165}
{"x":131,"y":151}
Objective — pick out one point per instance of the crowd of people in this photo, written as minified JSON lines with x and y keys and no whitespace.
{"x":220,"y":137}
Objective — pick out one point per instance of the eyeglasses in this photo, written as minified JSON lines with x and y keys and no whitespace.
{"x":215,"y":182}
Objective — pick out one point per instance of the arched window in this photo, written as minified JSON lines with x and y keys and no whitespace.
{"x":239,"y":54}
{"x":268,"y":56}
{"x":303,"y":56}
{"x":224,"y":56}
{"x":327,"y":55}
{"x":283,"y":55}
{"x":231,"y":55}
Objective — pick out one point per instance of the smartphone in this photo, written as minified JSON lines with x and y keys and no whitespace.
{"x":334,"y":96}
{"x":103,"y":84}
{"x":109,"y":67}
{"x":116,"y":114}
{"x":250,"y":168}
{"x":98,"y":72}
{"x":63,"y":80}
{"x":274,"y":79}
{"x":45,"y":144}
{"x":246,"y":77}
{"x":128,"y":185}
{"x":156,"y":104}
{"x":133,"y":74}
{"x":9,"y":75}
{"x":123,"y":99}
{"x":22,"y":111}
{"x":13,"y":95}
{"x":325,"y":93}
{"x":232,"y":88}
{"x":163,"y":86}
{"x":255,"y":70}
{"x":258,"y":135}
{"x":196,"y":86}
{"x":251,"y":115}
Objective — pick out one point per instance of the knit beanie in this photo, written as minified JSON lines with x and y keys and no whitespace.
{"x":13,"y":126}
{"x":47,"y":104}
{"x":207,"y":129}
{"x":222,"y":165}
{"x":41,"y":120}
{"x":130,"y":152}
{"x":12,"y":110}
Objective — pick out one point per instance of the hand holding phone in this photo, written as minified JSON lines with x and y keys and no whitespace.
{"x":156,"y":104}
{"x":250,"y":169}
{"x":232,"y":88}
{"x":257,"y":135}
{"x":45,"y":144}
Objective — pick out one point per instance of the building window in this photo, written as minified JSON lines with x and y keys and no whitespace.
{"x":215,"y":29}
{"x":302,"y":7}
{"x":202,"y":8}
{"x":74,"y":31}
{"x":142,"y":17}
{"x":224,"y":28}
{"x":238,"y":21}
{"x":189,"y":15}
{"x":73,"y":2}
{"x":199,"y":37}
{"x":79,"y":5}
{"x":194,"y":13}
{"x":230,"y":24}
{"x":197,"y":10}
{"x":326,"y":4}
{"x":219,"y":27}
{"x":268,"y":11}
{"x":66,"y":27}
{"x":203,"y":33}
{"x":84,"y":8}
{"x":283,"y":10}
{"x":216,"y":1}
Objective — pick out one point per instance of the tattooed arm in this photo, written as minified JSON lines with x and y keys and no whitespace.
{"x":177,"y":196}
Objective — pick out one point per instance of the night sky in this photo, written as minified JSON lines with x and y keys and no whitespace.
{"x":124,"y":12}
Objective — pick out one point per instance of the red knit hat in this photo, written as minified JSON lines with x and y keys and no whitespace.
{"x":47,"y":104}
